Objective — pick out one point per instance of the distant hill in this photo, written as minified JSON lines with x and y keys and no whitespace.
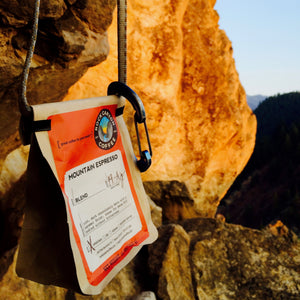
{"x":276,"y":111}
{"x":253,"y":101}
{"x":269,"y":186}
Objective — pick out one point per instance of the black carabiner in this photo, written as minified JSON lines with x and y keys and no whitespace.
{"x":120,"y":89}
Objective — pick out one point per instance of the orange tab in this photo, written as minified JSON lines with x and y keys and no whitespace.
{"x":92,"y":167}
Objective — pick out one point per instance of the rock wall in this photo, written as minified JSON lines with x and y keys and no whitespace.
{"x":201,"y":128}
{"x":208,"y":259}
{"x":72,"y":37}
{"x":195,"y":259}
{"x":181,"y":65}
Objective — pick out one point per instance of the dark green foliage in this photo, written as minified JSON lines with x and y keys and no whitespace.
{"x":275,"y":111}
{"x":269,"y":187}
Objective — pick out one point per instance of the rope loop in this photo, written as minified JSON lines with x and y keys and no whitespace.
{"x":24,"y":107}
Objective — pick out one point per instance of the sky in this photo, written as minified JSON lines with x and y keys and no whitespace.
{"x":265,"y":36}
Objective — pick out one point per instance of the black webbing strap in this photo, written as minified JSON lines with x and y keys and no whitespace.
{"x":42,"y":125}
{"x":119,"y":111}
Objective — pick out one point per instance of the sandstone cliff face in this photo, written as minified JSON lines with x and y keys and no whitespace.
{"x":181,"y":65}
{"x":72,"y":37}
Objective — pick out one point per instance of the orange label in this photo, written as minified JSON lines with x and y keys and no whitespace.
{"x":93,"y":172}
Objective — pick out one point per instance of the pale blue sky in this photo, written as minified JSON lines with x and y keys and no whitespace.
{"x":265,"y":36}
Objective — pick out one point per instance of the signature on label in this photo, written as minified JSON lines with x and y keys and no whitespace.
{"x":90,"y":245}
{"x":113,"y":180}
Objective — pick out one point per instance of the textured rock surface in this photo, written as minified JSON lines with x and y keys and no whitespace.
{"x":225,"y":262}
{"x":11,"y":218}
{"x":196,"y":259}
{"x":71,"y":38}
{"x":181,"y":65}
{"x":12,"y":287}
{"x":201,"y":128}
{"x":173,"y":197}
{"x":123,"y":286}
{"x":174,"y":270}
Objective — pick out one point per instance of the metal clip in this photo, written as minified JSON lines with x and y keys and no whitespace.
{"x":145,"y":160}
{"x":120,"y":89}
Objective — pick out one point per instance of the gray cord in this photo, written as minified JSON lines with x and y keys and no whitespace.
{"x":122,"y":51}
{"x":23,"y":103}
{"x":122,"y":40}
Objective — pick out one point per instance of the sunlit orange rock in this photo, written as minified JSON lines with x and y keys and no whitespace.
{"x":181,"y":64}
{"x":278,"y":228}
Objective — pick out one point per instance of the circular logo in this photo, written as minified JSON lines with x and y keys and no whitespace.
{"x":105,"y":132}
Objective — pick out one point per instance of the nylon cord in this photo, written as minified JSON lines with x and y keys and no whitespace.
{"x":24,"y":107}
{"x":122,"y":40}
{"x":122,"y":51}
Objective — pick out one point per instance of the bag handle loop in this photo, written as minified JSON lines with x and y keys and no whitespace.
{"x":26,"y":121}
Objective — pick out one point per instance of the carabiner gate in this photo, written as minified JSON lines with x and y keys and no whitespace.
{"x":145,"y":160}
{"x":120,"y":89}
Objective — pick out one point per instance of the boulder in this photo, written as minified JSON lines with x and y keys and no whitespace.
{"x":208,"y":259}
{"x":169,"y":263}
{"x":198,"y":258}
